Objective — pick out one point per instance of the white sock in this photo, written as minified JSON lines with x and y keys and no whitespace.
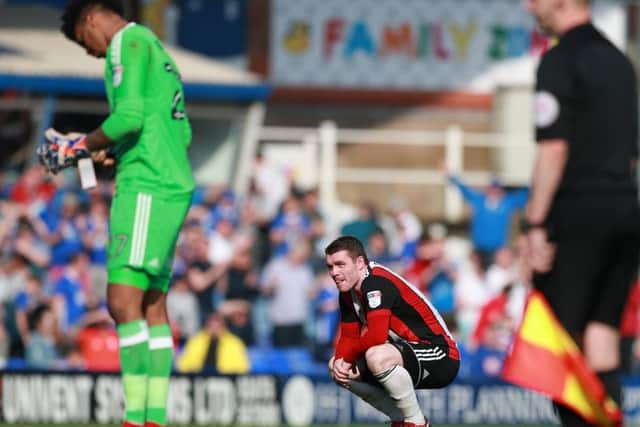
{"x":399,"y":384}
{"x":378,"y":398}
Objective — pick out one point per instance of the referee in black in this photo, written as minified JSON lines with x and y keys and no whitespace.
{"x":583,"y":218}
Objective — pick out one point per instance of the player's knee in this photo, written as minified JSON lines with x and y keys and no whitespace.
{"x":156,"y":313}
{"x":121,"y":309}
{"x":378,"y":359}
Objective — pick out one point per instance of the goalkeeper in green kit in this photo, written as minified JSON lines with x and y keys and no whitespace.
{"x":149,"y":134}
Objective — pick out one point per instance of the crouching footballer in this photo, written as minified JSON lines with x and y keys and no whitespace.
{"x":392,"y":340}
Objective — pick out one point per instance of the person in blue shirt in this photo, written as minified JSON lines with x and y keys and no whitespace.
{"x":491,"y":214}
{"x":63,"y":231}
{"x":289,"y":225}
{"x":69,"y":293}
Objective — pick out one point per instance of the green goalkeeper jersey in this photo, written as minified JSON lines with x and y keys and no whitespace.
{"x":148,"y":124}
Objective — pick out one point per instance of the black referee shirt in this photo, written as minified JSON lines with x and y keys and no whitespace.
{"x":586,"y":94}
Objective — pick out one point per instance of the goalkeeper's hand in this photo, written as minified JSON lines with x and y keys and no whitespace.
{"x":60,"y":151}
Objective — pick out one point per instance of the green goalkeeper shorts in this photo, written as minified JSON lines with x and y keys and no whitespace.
{"x":143,"y":231}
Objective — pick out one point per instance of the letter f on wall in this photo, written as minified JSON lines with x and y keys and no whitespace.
{"x":333,"y":31}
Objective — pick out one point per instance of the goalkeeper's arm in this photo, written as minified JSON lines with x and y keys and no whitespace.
{"x":97,"y":140}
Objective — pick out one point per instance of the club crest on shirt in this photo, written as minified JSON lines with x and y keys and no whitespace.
{"x":117,"y":75}
{"x":547,"y":109}
{"x":374,"y":298}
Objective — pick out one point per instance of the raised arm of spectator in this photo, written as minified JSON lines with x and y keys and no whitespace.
{"x":201,"y":280}
{"x":39,"y":227}
{"x":37,"y":255}
{"x":518,"y":199}
{"x":50,"y":236}
{"x":8,"y":219}
{"x":23,"y":326}
{"x":269,"y":279}
{"x":468,"y":193}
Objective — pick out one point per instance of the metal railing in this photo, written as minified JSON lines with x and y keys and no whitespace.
{"x":323,"y":141}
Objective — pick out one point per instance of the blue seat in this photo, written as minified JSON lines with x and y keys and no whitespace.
{"x":259,"y":361}
{"x":16,"y":364}
{"x":281,"y":361}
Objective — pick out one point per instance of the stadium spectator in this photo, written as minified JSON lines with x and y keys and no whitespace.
{"x":289,"y":225}
{"x":502,"y":272}
{"x":378,"y":248}
{"x":72,"y":357}
{"x":492,"y":211}
{"x":270,"y":185}
{"x":289,"y":281}
{"x":201,"y":274}
{"x":26,"y":301}
{"x":327,"y":316}
{"x":311,"y":208}
{"x":9,"y":214}
{"x":364,"y":225}
{"x":94,"y":232}
{"x":221,"y":242}
{"x":391,"y":341}
{"x":41,"y":350}
{"x":239,"y":288}
{"x":69,"y":293}
{"x":33,"y":190}
{"x":62,"y":232}
{"x":28,"y":244}
{"x":214,"y":350}
{"x":408,"y":229}
{"x":431,"y":271}
{"x":471,"y":294}
{"x":183,"y":308}
{"x":584,"y":252}
{"x":14,"y":273}
{"x":495,"y":326}
{"x":218,"y":202}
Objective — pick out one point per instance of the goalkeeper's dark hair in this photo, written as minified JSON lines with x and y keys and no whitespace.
{"x":75,"y":9}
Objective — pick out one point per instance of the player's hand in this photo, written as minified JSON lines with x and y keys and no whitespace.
{"x":330,"y":366}
{"x":60,"y":151}
{"x":541,"y":251}
{"x":343,"y":372}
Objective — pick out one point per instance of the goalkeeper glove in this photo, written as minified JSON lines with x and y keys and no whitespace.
{"x":60,"y":151}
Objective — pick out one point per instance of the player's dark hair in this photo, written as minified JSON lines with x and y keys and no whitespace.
{"x":350,"y":244}
{"x":75,"y":9}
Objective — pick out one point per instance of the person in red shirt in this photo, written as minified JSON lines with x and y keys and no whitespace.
{"x":392,"y":340}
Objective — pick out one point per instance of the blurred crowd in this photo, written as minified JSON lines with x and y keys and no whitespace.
{"x":249,"y":274}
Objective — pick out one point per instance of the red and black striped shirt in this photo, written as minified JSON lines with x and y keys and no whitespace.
{"x":388,"y":307}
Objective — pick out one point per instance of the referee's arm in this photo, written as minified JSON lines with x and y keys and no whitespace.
{"x":547,"y":173}
{"x":548,"y":169}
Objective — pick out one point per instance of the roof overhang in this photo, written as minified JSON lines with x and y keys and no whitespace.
{"x":43,"y":61}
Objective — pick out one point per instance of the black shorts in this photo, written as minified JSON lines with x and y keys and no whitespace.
{"x":428,"y":364}
{"x":598,"y":250}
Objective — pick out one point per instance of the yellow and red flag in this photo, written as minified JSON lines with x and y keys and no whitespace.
{"x":544,"y":358}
